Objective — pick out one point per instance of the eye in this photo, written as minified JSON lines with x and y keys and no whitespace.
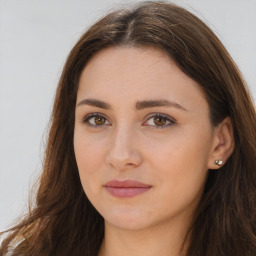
{"x":96,"y":120}
{"x":160,"y":121}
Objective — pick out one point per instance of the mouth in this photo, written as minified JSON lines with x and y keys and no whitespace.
{"x":126,"y":188}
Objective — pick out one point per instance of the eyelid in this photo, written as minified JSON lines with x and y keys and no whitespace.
{"x":87,"y":117}
{"x":171,"y":120}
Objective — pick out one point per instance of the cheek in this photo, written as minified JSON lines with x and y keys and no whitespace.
{"x":88,"y":150}
{"x":181,"y":152}
{"x":89,"y":157}
{"x":181,"y":165}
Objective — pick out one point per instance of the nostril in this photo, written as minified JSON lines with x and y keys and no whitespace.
{"x":120,"y":161}
{"x":129,"y":164}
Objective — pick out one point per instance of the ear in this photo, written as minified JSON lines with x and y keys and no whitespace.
{"x":223,"y":144}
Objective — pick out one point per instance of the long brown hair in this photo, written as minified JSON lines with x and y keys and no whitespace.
{"x":63,"y":222}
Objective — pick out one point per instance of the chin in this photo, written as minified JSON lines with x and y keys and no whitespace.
{"x":127,"y":219}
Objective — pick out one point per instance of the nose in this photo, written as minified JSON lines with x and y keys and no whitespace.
{"x":123,"y":150}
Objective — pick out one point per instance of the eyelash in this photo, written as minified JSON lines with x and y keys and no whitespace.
{"x":91,"y":116}
{"x":170,"y":121}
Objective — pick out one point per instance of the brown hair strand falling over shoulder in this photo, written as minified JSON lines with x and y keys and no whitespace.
{"x":63,"y":221}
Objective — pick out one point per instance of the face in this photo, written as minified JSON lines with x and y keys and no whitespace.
{"x":142,"y":138}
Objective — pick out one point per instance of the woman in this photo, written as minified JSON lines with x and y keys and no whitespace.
{"x":151,"y":149}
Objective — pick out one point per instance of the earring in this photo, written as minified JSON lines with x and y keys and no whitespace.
{"x":218,"y":162}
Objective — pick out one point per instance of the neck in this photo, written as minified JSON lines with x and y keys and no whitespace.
{"x":165,"y":240}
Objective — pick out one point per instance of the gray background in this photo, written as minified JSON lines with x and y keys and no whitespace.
{"x":35,"y":38}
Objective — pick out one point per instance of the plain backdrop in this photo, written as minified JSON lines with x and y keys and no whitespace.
{"x":35,"y":38}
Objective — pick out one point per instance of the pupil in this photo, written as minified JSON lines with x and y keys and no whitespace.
{"x":159,"y":120}
{"x":100,"y":120}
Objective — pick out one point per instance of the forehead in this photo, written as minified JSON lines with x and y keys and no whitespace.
{"x":132,"y":73}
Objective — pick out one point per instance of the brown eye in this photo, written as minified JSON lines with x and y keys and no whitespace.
{"x":159,"y":120}
{"x":99,"y":120}
{"x":95,"y":120}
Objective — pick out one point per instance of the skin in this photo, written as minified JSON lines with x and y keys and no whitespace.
{"x":172,"y":154}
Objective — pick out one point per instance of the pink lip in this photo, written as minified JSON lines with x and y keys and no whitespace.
{"x":126,"y":188}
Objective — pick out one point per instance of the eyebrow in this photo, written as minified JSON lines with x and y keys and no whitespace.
{"x":94,"y":103}
{"x":157,"y":103}
{"x":138,"y":106}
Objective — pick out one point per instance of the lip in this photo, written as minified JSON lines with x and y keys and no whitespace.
{"x":126,"y":188}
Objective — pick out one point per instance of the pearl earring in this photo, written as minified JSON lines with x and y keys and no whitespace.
{"x":218,"y":162}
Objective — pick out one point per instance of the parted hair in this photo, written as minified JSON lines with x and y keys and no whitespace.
{"x":62,"y":221}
